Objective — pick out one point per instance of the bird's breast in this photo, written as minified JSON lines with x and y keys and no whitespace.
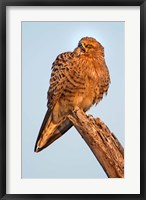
{"x":84,"y":86}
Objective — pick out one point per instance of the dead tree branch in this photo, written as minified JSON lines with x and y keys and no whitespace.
{"x":105,"y":146}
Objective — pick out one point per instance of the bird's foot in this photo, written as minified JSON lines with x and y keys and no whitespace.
{"x":89,"y":116}
{"x":76,"y":109}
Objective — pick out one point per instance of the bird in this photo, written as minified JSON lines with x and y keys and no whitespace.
{"x":78,"y":79}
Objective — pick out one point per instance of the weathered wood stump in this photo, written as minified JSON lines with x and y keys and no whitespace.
{"x":105,"y":146}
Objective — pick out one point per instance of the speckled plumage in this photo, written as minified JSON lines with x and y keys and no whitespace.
{"x":78,"y":79}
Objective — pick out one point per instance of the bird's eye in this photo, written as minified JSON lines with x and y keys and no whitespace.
{"x":89,"y":46}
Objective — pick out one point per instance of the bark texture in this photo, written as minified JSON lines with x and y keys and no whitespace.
{"x":103,"y":143}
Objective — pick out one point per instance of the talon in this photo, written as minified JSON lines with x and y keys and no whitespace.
{"x":90,"y":116}
{"x":76,"y":108}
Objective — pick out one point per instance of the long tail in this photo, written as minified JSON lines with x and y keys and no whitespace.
{"x":49,"y":131}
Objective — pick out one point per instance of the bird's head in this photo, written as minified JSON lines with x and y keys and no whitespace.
{"x":89,"y":45}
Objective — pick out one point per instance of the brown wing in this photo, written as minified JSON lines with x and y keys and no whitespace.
{"x":57,"y":85}
{"x":58,"y":78}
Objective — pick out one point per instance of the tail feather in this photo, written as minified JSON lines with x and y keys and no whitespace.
{"x":49,"y":132}
{"x":47,"y":116}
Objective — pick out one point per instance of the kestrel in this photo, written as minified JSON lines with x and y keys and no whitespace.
{"x":78,"y":79}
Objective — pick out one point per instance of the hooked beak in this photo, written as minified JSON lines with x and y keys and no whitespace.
{"x":81,"y":49}
{"x":83,"y":46}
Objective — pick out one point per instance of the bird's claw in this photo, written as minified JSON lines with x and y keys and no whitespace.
{"x":76,"y":108}
{"x":89,"y":116}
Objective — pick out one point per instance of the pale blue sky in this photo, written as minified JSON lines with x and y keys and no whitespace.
{"x":69,"y":156}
